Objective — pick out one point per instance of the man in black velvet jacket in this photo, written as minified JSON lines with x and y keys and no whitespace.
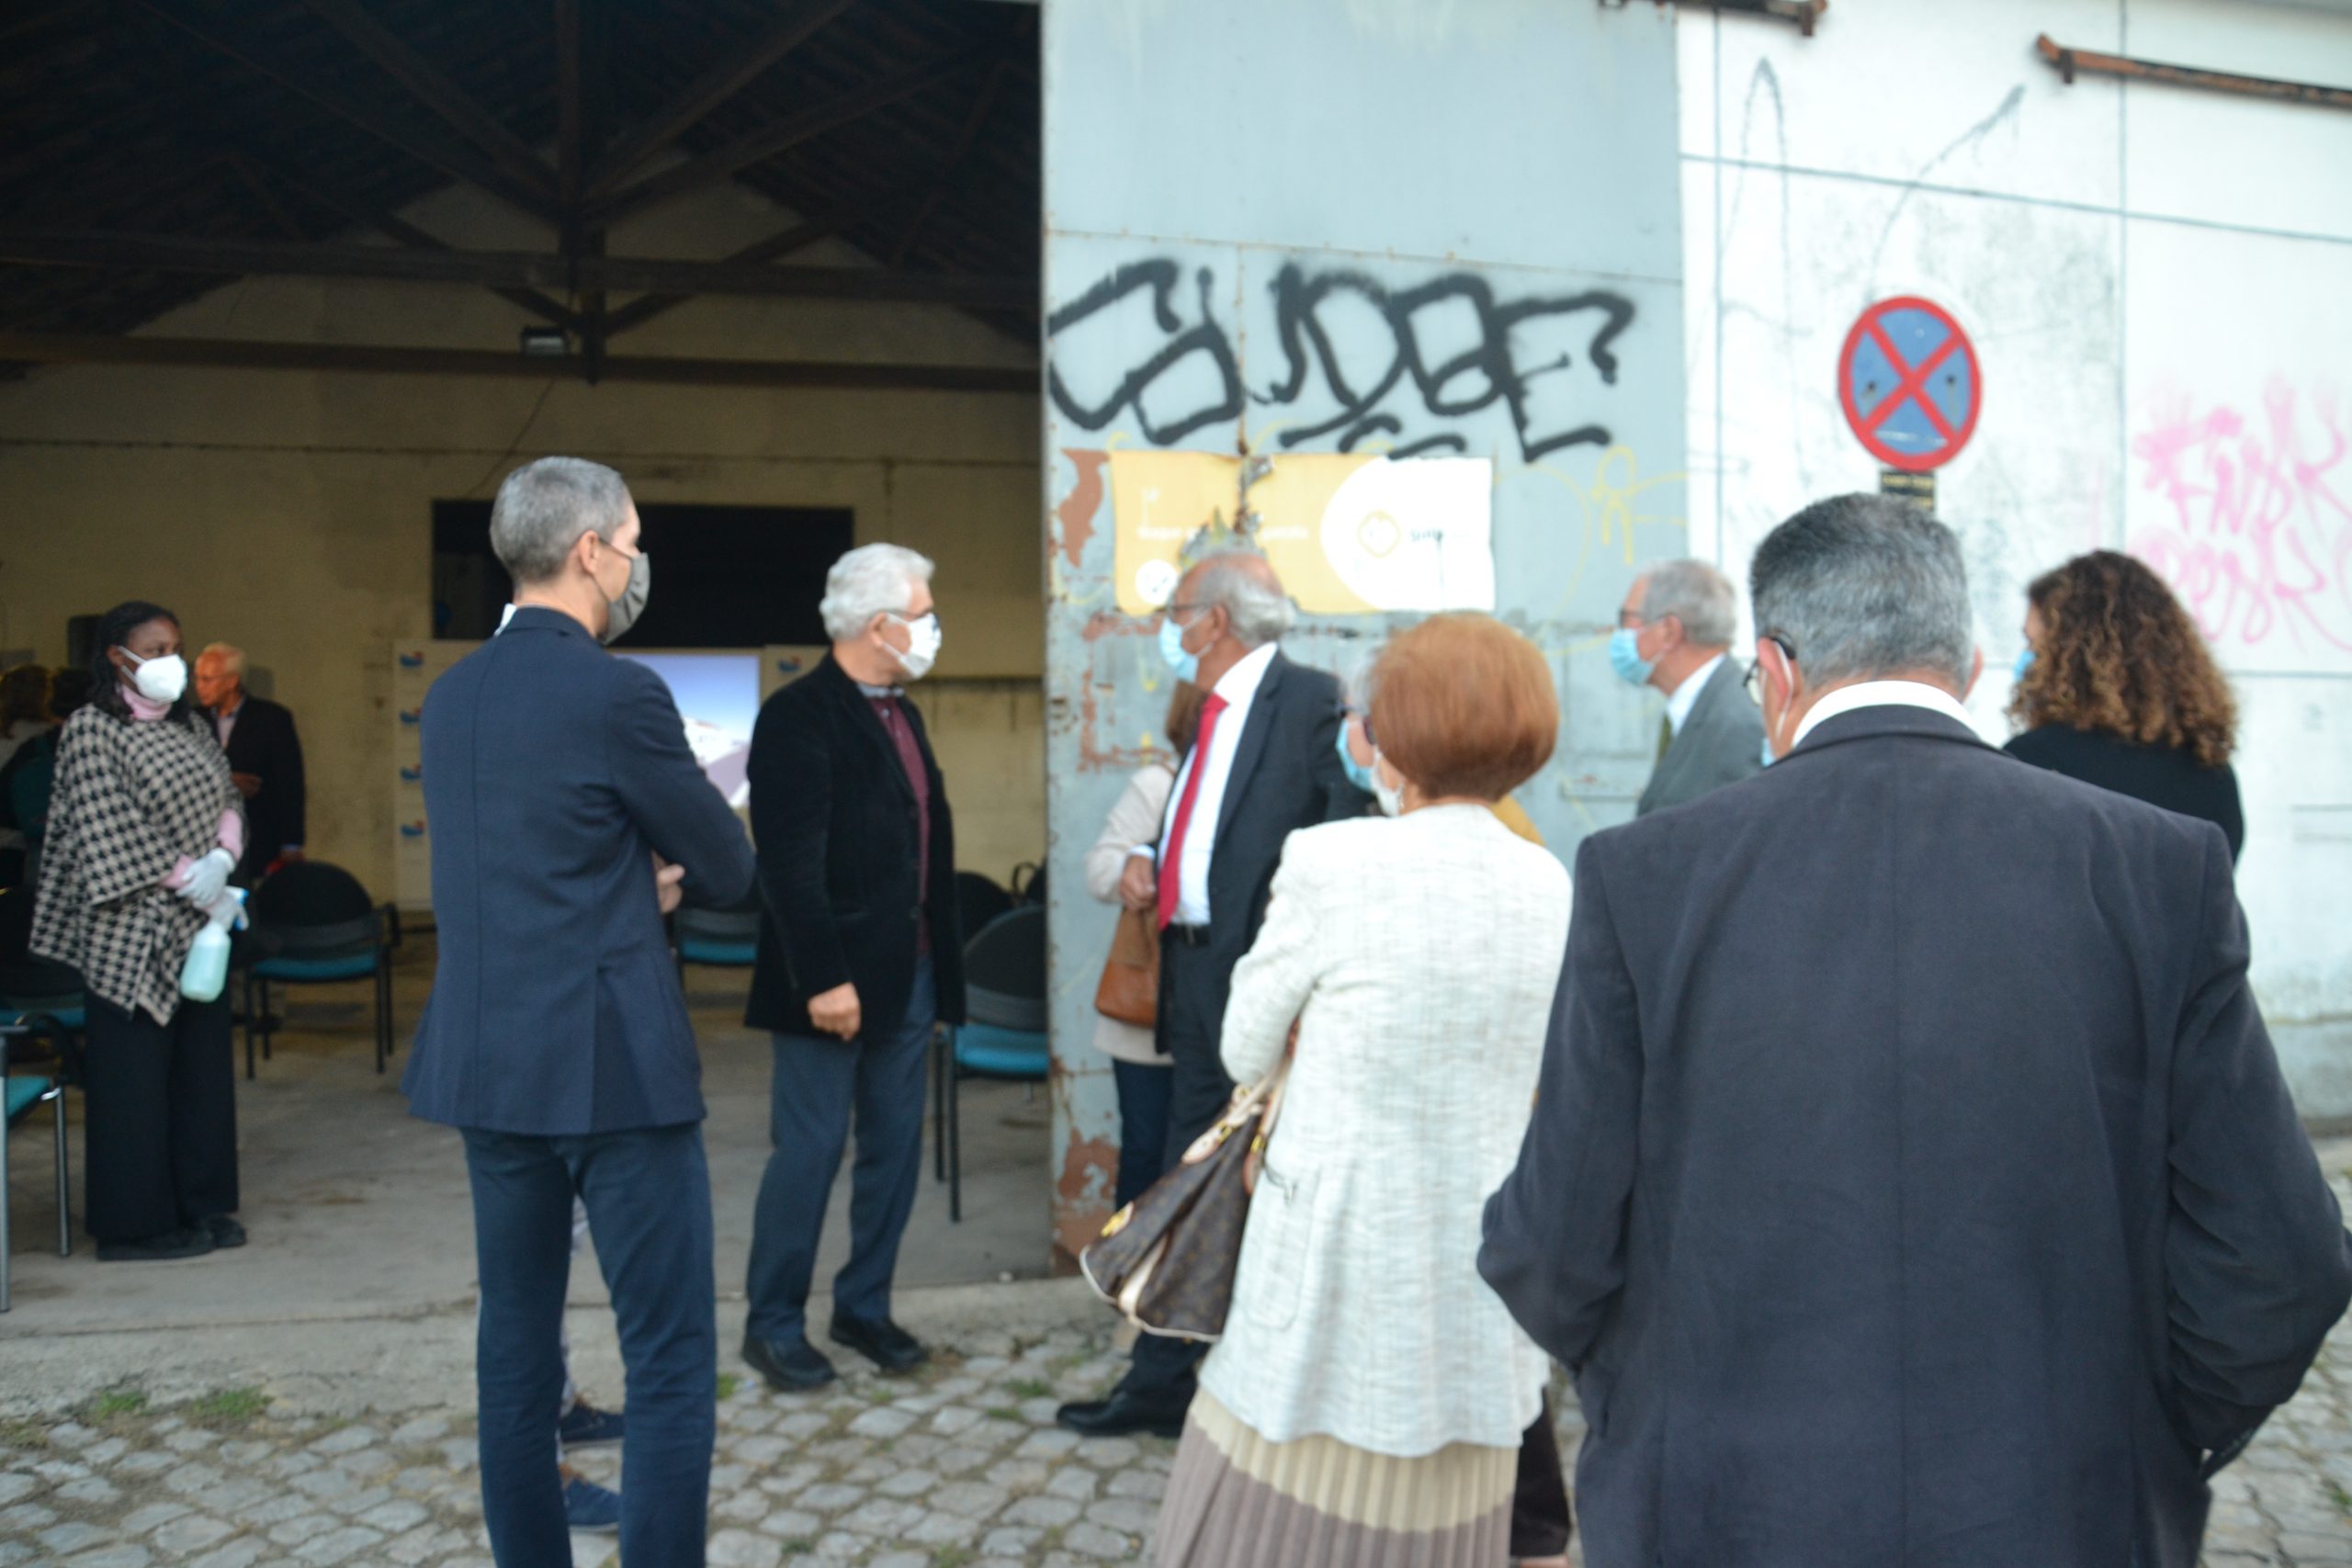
{"x":860,"y":957}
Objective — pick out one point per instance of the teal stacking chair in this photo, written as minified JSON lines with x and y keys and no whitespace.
{"x":313,"y":924}
{"x":1003,"y":1035}
{"x":40,"y":1002}
{"x":725,"y":939}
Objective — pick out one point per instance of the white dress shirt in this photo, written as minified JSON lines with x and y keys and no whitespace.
{"x":1240,"y":689}
{"x":225,"y":724}
{"x":1686,"y":695}
{"x":1880,"y":693}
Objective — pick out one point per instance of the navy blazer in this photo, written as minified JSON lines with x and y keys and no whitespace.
{"x":553,"y":773}
{"x":1911,"y":1179}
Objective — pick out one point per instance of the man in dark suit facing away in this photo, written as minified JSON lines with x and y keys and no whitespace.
{"x":1264,"y":764}
{"x":264,"y":759}
{"x":860,"y":956}
{"x":567,"y":817}
{"x":1911,"y":1177}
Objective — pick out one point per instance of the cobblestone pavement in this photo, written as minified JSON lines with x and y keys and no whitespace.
{"x":959,"y":1467}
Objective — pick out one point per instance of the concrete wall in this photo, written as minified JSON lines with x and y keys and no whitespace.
{"x":2154,"y":277}
{"x":291,"y":512}
{"x":1352,"y":224}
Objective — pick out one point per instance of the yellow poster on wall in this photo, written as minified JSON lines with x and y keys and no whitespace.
{"x":1350,"y":533}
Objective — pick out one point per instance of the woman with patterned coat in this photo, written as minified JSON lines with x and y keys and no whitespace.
{"x":144,"y":829}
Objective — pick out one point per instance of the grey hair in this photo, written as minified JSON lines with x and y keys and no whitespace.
{"x":872,"y":580}
{"x":545,"y":506}
{"x":1865,"y":585}
{"x":1229,"y":579}
{"x":1698,"y":595}
{"x":229,"y":654}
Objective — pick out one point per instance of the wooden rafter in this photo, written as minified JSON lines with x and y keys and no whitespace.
{"x":729,"y":76}
{"x":954,"y":161}
{"x":509,"y":269}
{"x":792,"y":131}
{"x":58,"y":348}
{"x":447,"y":102}
{"x":457,"y":162}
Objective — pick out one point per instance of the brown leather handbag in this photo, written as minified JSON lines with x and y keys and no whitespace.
{"x":1167,"y":1261}
{"x":1129,"y":990}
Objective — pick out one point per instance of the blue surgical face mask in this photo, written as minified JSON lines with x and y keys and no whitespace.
{"x":2026,"y":657}
{"x":1625,"y":656}
{"x":1358,"y":775}
{"x":1768,"y":758}
{"x":1171,"y":649}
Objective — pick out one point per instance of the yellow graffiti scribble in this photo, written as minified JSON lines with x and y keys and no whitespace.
{"x":1609,"y":507}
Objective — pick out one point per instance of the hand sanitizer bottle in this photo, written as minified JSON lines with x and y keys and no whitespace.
{"x":206,"y":971}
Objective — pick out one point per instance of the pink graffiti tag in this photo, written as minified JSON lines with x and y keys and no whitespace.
{"x":2262,"y":543}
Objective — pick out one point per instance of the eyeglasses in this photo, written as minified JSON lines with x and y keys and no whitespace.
{"x":1631,"y":620}
{"x":1755,"y":682}
{"x":1362,"y":716}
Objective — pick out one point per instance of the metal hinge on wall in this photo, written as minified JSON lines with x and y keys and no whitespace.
{"x":2071,"y":62}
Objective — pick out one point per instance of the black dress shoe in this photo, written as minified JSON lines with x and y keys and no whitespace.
{"x":187,"y":1241}
{"x":1121,"y":1415}
{"x":224,"y":1231}
{"x":792,"y":1365}
{"x":880,"y":1341}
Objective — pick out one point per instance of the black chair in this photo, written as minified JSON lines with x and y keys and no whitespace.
{"x":979,"y":901}
{"x":1004,"y":1035}
{"x":729,"y":938}
{"x":313,"y":924}
{"x":40,"y":1006}
{"x":1029,"y":882}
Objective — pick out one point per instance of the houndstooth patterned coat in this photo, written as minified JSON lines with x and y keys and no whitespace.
{"x":130,"y":798}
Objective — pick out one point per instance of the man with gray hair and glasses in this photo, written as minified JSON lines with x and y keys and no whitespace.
{"x":1674,"y":631}
{"x":569,"y":817}
{"x":1264,"y":763}
{"x":1911,"y":1179}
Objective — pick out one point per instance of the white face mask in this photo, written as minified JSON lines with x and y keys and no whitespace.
{"x":159,"y":680}
{"x":1391,"y":796}
{"x":923,"y":638}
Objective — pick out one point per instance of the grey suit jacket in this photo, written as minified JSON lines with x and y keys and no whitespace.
{"x":1911,"y":1180}
{"x":1722,"y":742}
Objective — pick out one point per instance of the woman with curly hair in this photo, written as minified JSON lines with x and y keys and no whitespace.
{"x":2116,"y":687}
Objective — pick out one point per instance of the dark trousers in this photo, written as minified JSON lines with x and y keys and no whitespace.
{"x":821,"y":1085}
{"x":1540,"y":1520}
{"x":648,"y":1193}
{"x":160,"y":1099}
{"x":1143,"y":1127}
{"x":1192,"y":991}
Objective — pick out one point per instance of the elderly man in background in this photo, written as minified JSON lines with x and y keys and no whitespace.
{"x":1673,"y":633}
{"x":568,"y":815}
{"x":264,"y":759}
{"x":1264,"y":762}
{"x":1911,"y":1177}
{"x":860,"y":956}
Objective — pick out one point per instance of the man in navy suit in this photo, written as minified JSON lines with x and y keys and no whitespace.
{"x":567,"y":817}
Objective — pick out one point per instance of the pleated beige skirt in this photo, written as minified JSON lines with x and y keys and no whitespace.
{"x":1237,"y":1501}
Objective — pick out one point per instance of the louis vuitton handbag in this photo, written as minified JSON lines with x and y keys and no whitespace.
{"x":1167,"y":1259}
{"x":1129,"y":990}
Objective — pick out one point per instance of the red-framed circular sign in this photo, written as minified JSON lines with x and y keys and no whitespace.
{"x":1910,"y":383}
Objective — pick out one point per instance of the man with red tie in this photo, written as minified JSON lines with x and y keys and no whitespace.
{"x":1265,"y":764}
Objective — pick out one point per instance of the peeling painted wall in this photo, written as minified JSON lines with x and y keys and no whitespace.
{"x":1367,"y":225}
{"x":2154,"y":277}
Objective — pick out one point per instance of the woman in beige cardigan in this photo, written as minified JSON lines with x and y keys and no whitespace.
{"x":1138,"y":1067}
{"x":1367,"y":1400}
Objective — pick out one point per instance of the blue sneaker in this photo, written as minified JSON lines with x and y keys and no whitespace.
{"x":591,"y":1508}
{"x":589,"y":1428}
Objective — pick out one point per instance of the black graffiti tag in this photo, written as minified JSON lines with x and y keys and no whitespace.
{"x":1205,"y":337}
{"x":1311,"y":326}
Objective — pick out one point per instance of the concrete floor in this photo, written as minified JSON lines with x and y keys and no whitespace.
{"x":357,"y":1211}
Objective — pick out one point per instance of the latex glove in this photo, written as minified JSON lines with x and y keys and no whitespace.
{"x":207,"y":879}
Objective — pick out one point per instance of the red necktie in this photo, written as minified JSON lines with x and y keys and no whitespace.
{"x":1171,"y":861}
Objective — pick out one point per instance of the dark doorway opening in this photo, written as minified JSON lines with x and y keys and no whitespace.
{"x":723,"y":576}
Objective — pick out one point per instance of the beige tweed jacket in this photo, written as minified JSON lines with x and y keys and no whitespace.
{"x":1418,"y":956}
